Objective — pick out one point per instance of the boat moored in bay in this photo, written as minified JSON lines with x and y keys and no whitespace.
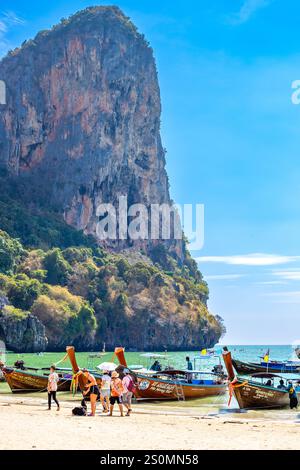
{"x":282,"y":367}
{"x":174,"y":384}
{"x":254,"y":393}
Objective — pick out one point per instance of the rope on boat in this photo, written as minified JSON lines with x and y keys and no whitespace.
{"x":62,"y":360}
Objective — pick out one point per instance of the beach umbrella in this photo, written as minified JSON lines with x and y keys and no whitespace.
{"x":109,"y":366}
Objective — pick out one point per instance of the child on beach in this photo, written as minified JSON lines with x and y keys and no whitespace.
{"x":52,"y":387}
{"x":117,"y":389}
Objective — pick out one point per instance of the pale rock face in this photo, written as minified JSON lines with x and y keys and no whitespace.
{"x":82,"y":120}
{"x":23,"y":335}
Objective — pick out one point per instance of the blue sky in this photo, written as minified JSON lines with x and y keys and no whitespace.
{"x":232,"y":136}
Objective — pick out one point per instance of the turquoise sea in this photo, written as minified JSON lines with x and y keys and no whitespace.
{"x":176,"y":359}
{"x":208,"y":406}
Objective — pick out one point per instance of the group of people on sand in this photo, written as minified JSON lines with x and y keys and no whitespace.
{"x":111,"y":391}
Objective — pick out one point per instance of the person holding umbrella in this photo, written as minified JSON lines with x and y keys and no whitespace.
{"x":107,"y":368}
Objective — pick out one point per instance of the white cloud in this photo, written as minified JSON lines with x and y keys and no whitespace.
{"x":3,"y":27}
{"x":291,"y":275}
{"x":251,"y":259}
{"x":285,"y":297}
{"x":223,"y":277}
{"x":247,"y":10}
{"x":271,"y":283}
{"x":8,"y":19}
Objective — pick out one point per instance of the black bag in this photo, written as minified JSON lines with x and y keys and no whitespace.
{"x":79,"y":411}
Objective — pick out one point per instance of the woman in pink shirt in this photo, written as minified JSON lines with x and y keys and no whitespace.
{"x":128,"y":386}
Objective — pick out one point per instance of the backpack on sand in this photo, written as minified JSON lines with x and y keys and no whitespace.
{"x":80,"y":410}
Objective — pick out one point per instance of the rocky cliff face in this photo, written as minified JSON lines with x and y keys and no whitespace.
{"x":82,"y":127}
{"x":26,"y":334}
{"x":82,"y":120}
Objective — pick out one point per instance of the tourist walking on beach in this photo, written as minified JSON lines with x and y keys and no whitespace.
{"x":116,"y":391}
{"x":91,"y":389}
{"x":128,"y":386}
{"x":105,"y":391}
{"x":52,"y":387}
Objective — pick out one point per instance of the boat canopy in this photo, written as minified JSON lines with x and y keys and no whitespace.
{"x":265,"y":375}
{"x":207,"y":356}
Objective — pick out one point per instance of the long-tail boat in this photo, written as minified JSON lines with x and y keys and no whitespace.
{"x":252,"y":394}
{"x":175,"y":384}
{"x":23,"y":381}
{"x":249,"y":368}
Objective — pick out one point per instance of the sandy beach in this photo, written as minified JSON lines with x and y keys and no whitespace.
{"x":26,"y":424}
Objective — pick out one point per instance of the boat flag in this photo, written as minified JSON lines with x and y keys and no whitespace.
{"x":266,"y":356}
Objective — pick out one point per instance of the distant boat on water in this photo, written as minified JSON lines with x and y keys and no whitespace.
{"x":282,"y":367}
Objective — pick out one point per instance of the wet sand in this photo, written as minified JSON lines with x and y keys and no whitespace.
{"x":26,"y":424}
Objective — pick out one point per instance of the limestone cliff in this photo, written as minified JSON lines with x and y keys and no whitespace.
{"x":82,"y":120}
{"x":81,"y":127}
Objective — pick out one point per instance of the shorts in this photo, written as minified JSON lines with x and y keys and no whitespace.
{"x":113,"y":400}
{"x":105,"y":393}
{"x":127,"y":397}
{"x":94,"y":390}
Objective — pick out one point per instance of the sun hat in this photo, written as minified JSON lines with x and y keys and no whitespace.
{"x":114,"y":374}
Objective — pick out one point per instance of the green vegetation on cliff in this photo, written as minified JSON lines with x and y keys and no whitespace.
{"x":86,"y":295}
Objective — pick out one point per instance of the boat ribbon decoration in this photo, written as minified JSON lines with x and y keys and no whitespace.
{"x":74,"y":383}
{"x":232,"y":385}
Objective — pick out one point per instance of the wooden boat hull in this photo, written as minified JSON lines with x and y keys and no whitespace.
{"x":149,"y":387}
{"x":248,"y":368}
{"x":254,"y":396}
{"x":158,"y":389}
{"x":24,"y":382}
